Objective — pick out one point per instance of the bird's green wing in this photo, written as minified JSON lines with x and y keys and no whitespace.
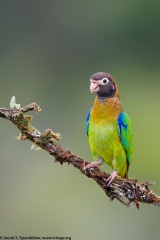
{"x":125,"y":133}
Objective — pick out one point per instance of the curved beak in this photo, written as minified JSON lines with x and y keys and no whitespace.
{"x":94,"y":86}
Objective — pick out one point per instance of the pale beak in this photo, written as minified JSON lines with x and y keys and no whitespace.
{"x":94,"y":86}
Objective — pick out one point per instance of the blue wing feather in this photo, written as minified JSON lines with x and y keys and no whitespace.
{"x":125,"y":134}
{"x":87,"y":120}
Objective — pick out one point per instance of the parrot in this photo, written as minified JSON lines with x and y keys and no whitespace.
{"x":109,"y":128}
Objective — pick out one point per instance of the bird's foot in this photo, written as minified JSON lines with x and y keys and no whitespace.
{"x":92,"y":165}
{"x":111,"y":178}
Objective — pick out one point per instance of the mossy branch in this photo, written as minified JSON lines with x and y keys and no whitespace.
{"x":124,"y":190}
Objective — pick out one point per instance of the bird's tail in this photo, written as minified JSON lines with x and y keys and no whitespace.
{"x":124,"y":172}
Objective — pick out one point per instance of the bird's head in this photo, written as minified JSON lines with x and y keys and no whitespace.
{"x":103,"y":84}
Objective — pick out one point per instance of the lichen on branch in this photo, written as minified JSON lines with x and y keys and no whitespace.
{"x":124,"y":190}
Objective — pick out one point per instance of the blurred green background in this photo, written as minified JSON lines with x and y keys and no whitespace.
{"x":48,"y":51}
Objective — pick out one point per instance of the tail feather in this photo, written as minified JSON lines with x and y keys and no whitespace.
{"x":124,"y":172}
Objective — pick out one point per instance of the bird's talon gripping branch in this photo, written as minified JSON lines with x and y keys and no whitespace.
{"x":92,"y":165}
{"x":111,"y":178}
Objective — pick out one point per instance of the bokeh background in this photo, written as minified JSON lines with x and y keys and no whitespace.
{"x":48,"y":51}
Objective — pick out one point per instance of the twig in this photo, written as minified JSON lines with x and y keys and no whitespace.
{"x":124,"y":190}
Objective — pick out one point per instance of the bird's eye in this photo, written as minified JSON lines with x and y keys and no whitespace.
{"x":104,"y":81}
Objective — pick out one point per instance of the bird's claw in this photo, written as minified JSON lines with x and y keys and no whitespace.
{"x":91,"y":165}
{"x":111,"y":178}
